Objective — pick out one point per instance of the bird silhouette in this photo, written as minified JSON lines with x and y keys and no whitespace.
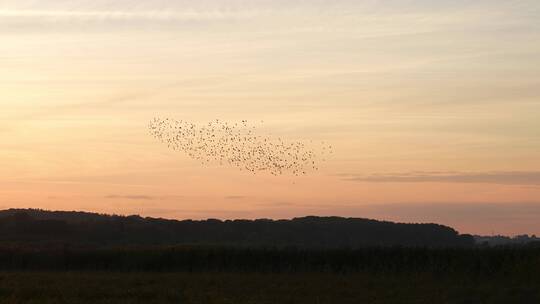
{"x":237,"y":145}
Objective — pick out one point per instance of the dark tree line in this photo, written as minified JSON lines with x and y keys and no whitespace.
{"x":501,"y":261}
{"x":36,"y":228}
{"x":43,"y":240}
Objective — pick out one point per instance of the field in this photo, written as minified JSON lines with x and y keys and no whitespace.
{"x":218,"y":275}
{"x":238,"y":288}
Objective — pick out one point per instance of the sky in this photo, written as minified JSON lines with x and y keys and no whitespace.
{"x":432,"y":107}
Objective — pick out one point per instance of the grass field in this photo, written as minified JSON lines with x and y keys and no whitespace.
{"x":238,"y":288}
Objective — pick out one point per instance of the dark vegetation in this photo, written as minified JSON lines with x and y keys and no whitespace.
{"x":463,"y":261}
{"x":501,"y":240}
{"x":257,"y":288}
{"x":74,"y":257}
{"x":80,"y":229}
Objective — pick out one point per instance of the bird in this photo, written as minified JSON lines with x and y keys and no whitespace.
{"x":237,"y":144}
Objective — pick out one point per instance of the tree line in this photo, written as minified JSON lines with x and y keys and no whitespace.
{"x":89,"y":230}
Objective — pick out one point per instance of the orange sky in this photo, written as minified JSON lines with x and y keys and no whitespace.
{"x":432,"y":107}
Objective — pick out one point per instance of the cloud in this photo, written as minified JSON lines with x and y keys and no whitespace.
{"x":187,"y":15}
{"x":495,"y":177}
{"x":143,"y":197}
{"x":200,"y":82}
{"x":276,"y":204}
{"x":235,"y":197}
{"x":120,"y":17}
{"x":132,"y":197}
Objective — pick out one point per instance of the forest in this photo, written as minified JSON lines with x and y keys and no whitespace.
{"x":35,"y":228}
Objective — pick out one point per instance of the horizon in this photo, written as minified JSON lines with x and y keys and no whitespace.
{"x":265,"y":218}
{"x":431,"y":109}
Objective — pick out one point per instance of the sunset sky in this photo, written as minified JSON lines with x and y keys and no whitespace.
{"x":433,"y":107}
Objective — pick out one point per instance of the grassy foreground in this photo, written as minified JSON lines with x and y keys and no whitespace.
{"x":238,"y":288}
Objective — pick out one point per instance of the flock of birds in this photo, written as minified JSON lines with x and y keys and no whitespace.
{"x":238,"y":145}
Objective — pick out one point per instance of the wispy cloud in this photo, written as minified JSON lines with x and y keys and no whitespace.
{"x":496,"y":177}
{"x":188,"y":15}
{"x":276,"y":204}
{"x":235,"y":197}
{"x":132,"y":197}
{"x":141,"y":197}
{"x":123,"y":99}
